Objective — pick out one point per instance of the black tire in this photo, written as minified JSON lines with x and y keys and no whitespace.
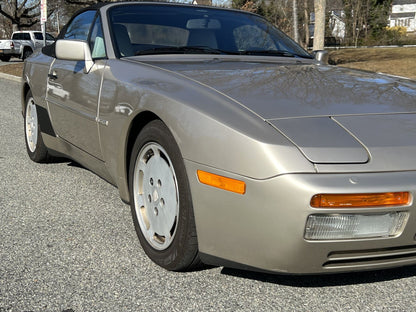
{"x":26,"y":54}
{"x":35,"y":147}
{"x":5,"y":58}
{"x":177,"y":251}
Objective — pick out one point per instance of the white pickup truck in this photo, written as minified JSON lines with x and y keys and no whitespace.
{"x":22,"y":44}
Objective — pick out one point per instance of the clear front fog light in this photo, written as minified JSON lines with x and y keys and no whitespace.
{"x":354,"y":226}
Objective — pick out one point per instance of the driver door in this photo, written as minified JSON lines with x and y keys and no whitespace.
{"x":73,"y":94}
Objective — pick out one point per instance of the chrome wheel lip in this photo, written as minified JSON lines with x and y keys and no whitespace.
{"x":156,"y":196}
{"x":31,"y":125}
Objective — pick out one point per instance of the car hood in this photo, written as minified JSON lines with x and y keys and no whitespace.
{"x":333,"y":115}
{"x":290,"y":89}
{"x":383,"y":142}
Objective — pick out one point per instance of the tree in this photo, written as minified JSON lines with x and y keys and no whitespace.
{"x":378,"y":17}
{"x":87,"y":2}
{"x":5,"y":27}
{"x":295,"y":20}
{"x":282,"y":13}
{"x":365,"y":19}
{"x":355,"y":15}
{"x":21,"y":13}
{"x":306,"y":14}
{"x":320,"y":18}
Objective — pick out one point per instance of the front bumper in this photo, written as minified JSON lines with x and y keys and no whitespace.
{"x":264,"y":228}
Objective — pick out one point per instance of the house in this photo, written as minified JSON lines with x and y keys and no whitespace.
{"x":403,"y":13}
{"x":337,"y":24}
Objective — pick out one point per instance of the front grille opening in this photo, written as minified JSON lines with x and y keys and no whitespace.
{"x":372,"y":257}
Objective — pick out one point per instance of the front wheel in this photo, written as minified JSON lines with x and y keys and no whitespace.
{"x":161,"y":200}
{"x":35,"y":147}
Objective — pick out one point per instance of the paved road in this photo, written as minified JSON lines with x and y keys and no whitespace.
{"x":67,"y":243}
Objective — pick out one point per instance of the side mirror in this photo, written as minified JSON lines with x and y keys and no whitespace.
{"x":321,"y":56}
{"x":74,"y":50}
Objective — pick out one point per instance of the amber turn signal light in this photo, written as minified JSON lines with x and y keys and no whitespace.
{"x":361,"y":200}
{"x":221,"y":182}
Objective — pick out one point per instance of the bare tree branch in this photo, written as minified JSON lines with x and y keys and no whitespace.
{"x":80,"y":2}
{"x":6,"y":15}
{"x":33,"y":22}
{"x":34,"y":6}
{"x":20,"y":8}
{"x":22,"y":13}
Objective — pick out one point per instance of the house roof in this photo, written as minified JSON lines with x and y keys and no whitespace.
{"x":401,"y":2}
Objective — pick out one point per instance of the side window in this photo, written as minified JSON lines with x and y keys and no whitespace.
{"x":49,"y":37}
{"x":96,"y":42}
{"x":26,"y":36}
{"x":80,"y":26}
{"x":38,"y":36}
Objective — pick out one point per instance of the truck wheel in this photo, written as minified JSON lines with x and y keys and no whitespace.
{"x":5,"y":58}
{"x":26,"y":54}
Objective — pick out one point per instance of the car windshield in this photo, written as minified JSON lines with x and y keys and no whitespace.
{"x":144,"y":29}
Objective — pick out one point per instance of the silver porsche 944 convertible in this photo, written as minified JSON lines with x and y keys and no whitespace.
{"x":231,"y":143}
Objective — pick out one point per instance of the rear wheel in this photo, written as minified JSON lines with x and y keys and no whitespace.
{"x":26,"y":54}
{"x":5,"y":58}
{"x":161,"y":200}
{"x":35,"y":147}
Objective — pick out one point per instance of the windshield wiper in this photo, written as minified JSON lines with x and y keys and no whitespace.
{"x":267,"y":52}
{"x":273,"y":53}
{"x":183,"y":50}
{"x":208,"y":50}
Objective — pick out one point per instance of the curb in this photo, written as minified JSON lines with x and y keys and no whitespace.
{"x":11,"y":77}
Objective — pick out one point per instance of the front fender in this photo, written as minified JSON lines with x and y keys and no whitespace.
{"x":208,"y":127}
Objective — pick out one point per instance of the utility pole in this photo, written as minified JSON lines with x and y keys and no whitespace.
{"x":57,"y":20}
{"x":43,"y":18}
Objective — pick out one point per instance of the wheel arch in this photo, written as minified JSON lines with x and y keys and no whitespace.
{"x":25,"y":90}
{"x":136,"y":126}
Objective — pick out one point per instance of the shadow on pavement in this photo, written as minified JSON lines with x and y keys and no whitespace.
{"x":326,"y":280}
{"x":12,"y":61}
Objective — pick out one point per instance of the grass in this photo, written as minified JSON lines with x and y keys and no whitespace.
{"x":394,"y":61}
{"x":14,"y":68}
